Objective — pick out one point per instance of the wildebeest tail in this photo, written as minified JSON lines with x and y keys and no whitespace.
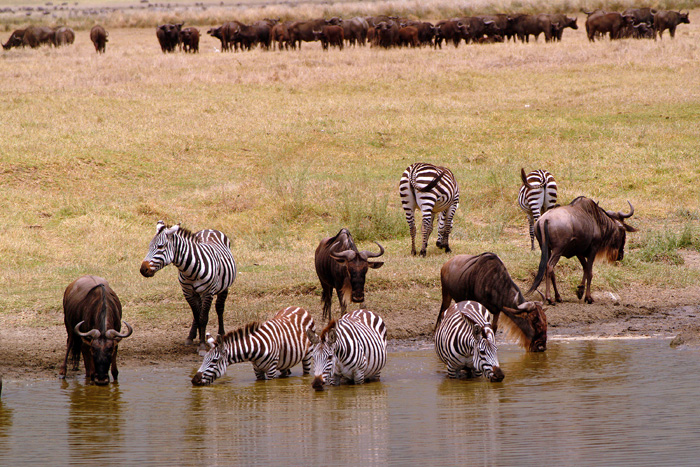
{"x":544,"y":258}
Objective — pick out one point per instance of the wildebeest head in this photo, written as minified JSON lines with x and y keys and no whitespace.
{"x":530,"y":325}
{"x":619,"y":236}
{"x":356,"y":263}
{"x":214,"y":364}
{"x":323,"y":353}
{"x":683,"y":17}
{"x":15,"y":39}
{"x":102,"y":348}
{"x":160,"y":250}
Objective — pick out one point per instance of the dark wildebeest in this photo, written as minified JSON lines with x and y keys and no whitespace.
{"x":525,"y":25}
{"x":408,"y":36}
{"x":612,"y":23}
{"x":387,"y":34}
{"x":641,"y":15}
{"x":485,"y":279}
{"x":355,"y":30}
{"x":478,"y":27}
{"x":341,"y":267}
{"x":451,"y":30}
{"x":562,"y":21}
{"x":168,"y":36}
{"x":98,"y":36}
{"x":669,"y":20}
{"x":90,"y":304}
{"x":582,"y":229}
{"x":34,"y":36}
{"x":15,"y":40}
{"x":280,"y":34}
{"x":330,"y":35}
{"x":304,"y":30}
{"x":643,"y":31}
{"x":63,"y":36}
{"x":190,"y":40}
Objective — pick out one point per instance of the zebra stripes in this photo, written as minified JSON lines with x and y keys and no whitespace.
{"x":206,"y":266}
{"x":537,"y":195}
{"x":431,"y":189}
{"x":275,"y":345}
{"x":465,"y":341}
{"x":352,"y":347}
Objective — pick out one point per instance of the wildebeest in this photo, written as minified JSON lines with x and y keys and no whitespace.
{"x":34,"y":36}
{"x":63,"y":36}
{"x":526,"y":25}
{"x":485,"y":279}
{"x":452,"y":30}
{"x":190,"y":40}
{"x":98,"y":36}
{"x":15,"y":39}
{"x":168,"y":36}
{"x":330,"y":36}
{"x":387,"y":34}
{"x":669,"y":20}
{"x":582,"y":229}
{"x":612,"y":23}
{"x":304,"y":30}
{"x":561,"y":21}
{"x":641,"y":15}
{"x":355,"y":30}
{"x":340,"y":266}
{"x":408,"y":36}
{"x":92,"y":315}
{"x":280,"y":34}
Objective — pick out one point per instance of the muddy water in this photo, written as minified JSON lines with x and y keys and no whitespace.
{"x":619,"y":402}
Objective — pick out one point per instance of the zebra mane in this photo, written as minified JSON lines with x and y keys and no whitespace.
{"x":331,"y":325}
{"x":241,"y":332}
{"x":511,"y":332}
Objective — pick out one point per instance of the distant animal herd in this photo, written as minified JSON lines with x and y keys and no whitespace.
{"x":383,"y":31}
{"x":352,"y":347}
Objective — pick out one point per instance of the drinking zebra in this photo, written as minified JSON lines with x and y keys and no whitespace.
{"x":352,"y":347}
{"x":431,"y":189}
{"x":464,"y":341}
{"x":206,"y":266}
{"x":275,"y":345}
{"x":537,"y":195}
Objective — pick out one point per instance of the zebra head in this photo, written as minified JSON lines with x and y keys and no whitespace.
{"x":214,"y":364}
{"x":485,"y":356}
{"x":160,"y":250}
{"x":323,"y":353}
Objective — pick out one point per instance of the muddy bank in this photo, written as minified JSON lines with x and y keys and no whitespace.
{"x":29,"y":352}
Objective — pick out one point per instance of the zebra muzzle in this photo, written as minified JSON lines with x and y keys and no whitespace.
{"x":197,"y":379}
{"x":497,"y":375}
{"x":146,"y":270}
{"x":318,"y":383}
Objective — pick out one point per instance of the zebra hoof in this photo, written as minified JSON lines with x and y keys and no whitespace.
{"x":422,"y":253}
{"x":202,"y":349}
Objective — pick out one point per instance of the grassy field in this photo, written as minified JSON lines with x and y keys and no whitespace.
{"x":279,"y":149}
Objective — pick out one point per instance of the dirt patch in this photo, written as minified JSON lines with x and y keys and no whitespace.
{"x":29,"y":352}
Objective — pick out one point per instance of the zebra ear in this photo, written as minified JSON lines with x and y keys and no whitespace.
{"x":476,"y":329}
{"x":160,"y":226}
{"x":210,"y":341}
{"x":172,"y":229}
{"x":313,"y":337}
{"x":332,"y":336}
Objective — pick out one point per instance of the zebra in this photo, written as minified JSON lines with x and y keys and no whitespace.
{"x":431,"y":189}
{"x":206,"y":266}
{"x":275,"y":345}
{"x":537,"y":195}
{"x":464,"y":340}
{"x":353,"y":347}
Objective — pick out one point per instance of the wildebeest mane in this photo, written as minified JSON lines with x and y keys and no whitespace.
{"x":610,"y":241}
{"x":511,"y":332}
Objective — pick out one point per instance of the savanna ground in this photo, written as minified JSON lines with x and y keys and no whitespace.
{"x":280,"y":149}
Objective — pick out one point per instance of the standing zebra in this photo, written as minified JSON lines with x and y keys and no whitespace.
{"x":431,"y":189}
{"x":537,"y":195}
{"x":275,"y":345}
{"x":353,"y":347}
{"x":206,"y":266}
{"x":464,"y":340}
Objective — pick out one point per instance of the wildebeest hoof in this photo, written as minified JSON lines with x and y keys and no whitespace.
{"x":189,"y":341}
{"x":588,"y":300}
{"x":579,"y":292}
{"x":202,"y":349}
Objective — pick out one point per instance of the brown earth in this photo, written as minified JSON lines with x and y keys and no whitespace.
{"x":30,"y":352}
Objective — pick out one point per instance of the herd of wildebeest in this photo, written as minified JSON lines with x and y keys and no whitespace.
{"x":383,"y":31}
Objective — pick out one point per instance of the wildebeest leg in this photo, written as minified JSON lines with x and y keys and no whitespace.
{"x":115,"y":370}
{"x":326,"y":296}
{"x":579,"y":289}
{"x":588,"y":276}
{"x":195,"y":302}
{"x":62,"y":371}
{"x":204,"y":320}
{"x":220,"y":303}
{"x":342,"y":300}
{"x":89,"y":364}
{"x":549,"y":276}
{"x":427,"y":228}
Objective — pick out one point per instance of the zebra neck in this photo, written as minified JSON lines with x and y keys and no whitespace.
{"x":185,"y":254}
{"x":240,"y":347}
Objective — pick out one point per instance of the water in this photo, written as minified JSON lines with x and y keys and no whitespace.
{"x":617,"y":402}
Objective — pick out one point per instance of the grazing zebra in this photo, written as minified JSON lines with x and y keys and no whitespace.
{"x":431,"y":189}
{"x":275,"y":345}
{"x":465,"y":341}
{"x":206,"y":266}
{"x":353,"y":347}
{"x":537,"y":195}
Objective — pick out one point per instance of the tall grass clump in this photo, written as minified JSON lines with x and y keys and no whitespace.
{"x":372,"y":220}
{"x":662,"y":246}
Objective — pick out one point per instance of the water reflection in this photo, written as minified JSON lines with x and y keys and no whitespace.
{"x":5,"y":425}
{"x":95,"y":421}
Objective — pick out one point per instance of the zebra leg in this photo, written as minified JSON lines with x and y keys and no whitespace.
{"x":411,"y":228}
{"x":445,"y":227}
{"x":453,"y":370}
{"x":220,"y":303}
{"x":427,"y":228}
{"x":203,"y":321}
{"x":195,"y":303}
{"x":272,"y":371}
{"x":260,"y":375}
{"x":285,"y":373}
{"x":531,"y":220}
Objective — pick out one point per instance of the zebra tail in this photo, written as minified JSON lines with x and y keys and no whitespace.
{"x":544,"y":258}
{"x":433,"y":183}
{"x":524,"y":177}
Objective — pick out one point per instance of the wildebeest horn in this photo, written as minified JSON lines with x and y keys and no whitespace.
{"x":94,"y":334}
{"x":114,"y":334}
{"x":346,"y":255}
{"x":369,"y":254}
{"x":525,"y":306}
{"x":625,"y":216}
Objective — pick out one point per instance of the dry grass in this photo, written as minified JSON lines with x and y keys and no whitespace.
{"x":281,"y":149}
